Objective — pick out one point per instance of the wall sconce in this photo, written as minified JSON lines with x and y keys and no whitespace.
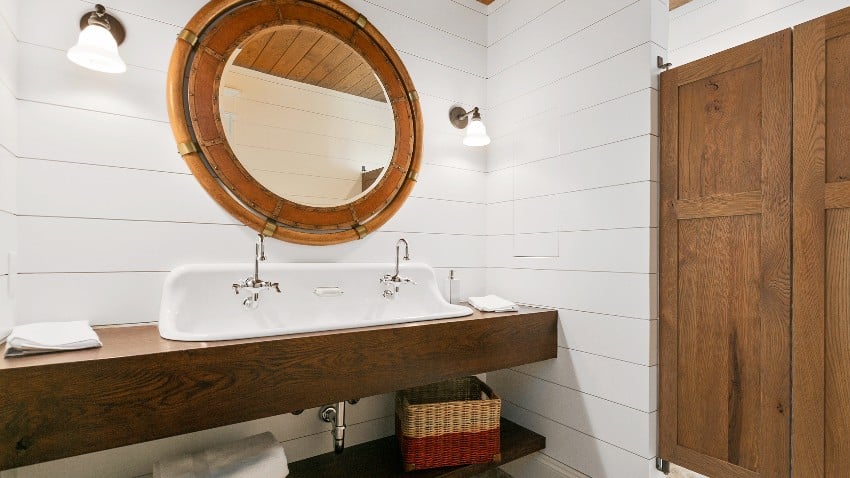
{"x":97,"y":47}
{"x":476,"y":133}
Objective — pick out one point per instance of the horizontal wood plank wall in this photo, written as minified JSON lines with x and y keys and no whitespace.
{"x":139,"y":157}
{"x":8,"y":157}
{"x":725,"y":262}
{"x":701,"y":28}
{"x":157,"y":216}
{"x":821,"y":239}
{"x":305,"y":142}
{"x":571,"y":222}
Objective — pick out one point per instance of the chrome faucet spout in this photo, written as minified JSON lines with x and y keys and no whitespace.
{"x":398,"y":253}
{"x":254,"y":285}
{"x":259,"y":255}
{"x":391,"y":282}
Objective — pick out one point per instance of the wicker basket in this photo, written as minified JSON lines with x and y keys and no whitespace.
{"x":448,"y":424}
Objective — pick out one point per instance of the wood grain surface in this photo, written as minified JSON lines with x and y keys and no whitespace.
{"x":837,"y":343}
{"x":678,"y":3}
{"x":140,"y":387}
{"x":310,"y":56}
{"x":725,"y":236}
{"x":821,"y":373}
{"x":720,"y":205}
{"x":837,"y":245}
{"x":809,"y":222}
{"x":720,"y":134}
{"x":382,"y":459}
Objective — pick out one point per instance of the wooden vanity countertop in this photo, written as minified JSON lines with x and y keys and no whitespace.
{"x":140,"y":387}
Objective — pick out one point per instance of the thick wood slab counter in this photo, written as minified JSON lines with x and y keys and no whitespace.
{"x":140,"y":387}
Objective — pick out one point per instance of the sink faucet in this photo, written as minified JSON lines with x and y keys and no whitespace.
{"x":254,"y":285}
{"x":392,"y":282}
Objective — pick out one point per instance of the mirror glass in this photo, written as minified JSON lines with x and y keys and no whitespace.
{"x":306,"y":116}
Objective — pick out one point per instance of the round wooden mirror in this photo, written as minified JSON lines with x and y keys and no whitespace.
{"x":297,"y":116}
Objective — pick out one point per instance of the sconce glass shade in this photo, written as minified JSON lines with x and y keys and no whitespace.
{"x":97,"y":50}
{"x":476,"y":133}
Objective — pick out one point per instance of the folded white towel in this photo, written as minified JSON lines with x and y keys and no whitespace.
{"x":492,"y":303}
{"x":50,"y":337}
{"x":259,"y":456}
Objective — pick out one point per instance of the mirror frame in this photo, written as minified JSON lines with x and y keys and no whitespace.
{"x":202,"y":51}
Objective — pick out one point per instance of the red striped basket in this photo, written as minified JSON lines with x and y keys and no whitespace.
{"x":450,"y":423}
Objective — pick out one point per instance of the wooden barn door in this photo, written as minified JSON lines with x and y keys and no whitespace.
{"x":821,"y":441}
{"x":725,"y":282}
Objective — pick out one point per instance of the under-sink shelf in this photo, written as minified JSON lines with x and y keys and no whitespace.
{"x":381,"y":459}
{"x":139,"y":387}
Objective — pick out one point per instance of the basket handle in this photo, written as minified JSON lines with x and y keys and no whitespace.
{"x":486,"y":388}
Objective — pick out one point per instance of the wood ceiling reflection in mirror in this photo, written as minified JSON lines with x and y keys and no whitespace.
{"x":310,"y":56}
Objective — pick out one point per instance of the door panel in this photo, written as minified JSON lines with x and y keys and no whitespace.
{"x":837,"y":376}
{"x":724,"y":398}
{"x":837,"y":108}
{"x":718,"y":394}
{"x":720,"y":148}
{"x":821,"y":347}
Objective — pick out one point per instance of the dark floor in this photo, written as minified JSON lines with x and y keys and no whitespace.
{"x":494,"y":473}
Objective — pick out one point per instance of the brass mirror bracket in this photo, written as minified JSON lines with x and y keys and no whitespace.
{"x":192,"y":75}
{"x":361,"y":231}
{"x":189,"y":37}
{"x":270,"y":228}
{"x":186,"y":148}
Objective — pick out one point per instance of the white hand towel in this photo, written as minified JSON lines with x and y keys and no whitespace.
{"x":259,"y":456}
{"x":492,"y":303}
{"x":50,"y":337}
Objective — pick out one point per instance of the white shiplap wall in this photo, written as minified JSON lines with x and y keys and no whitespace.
{"x":703,"y":27}
{"x":8,"y":159}
{"x":106,"y":206}
{"x":571,"y":220}
{"x":562,"y":213}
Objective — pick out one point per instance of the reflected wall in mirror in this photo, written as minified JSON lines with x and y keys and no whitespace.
{"x":297,"y":116}
{"x":306,"y":116}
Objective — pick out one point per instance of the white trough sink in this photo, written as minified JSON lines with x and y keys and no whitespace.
{"x":199,"y":304}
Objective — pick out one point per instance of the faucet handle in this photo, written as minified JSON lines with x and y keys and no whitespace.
{"x":236,"y":288}
{"x":391,"y":279}
{"x":276,"y":286}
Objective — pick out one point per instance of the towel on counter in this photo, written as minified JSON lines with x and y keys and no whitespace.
{"x":50,"y":337}
{"x":259,"y":456}
{"x":492,"y":303}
